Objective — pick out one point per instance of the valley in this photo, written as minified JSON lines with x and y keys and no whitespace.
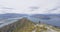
{"x":30,"y":24}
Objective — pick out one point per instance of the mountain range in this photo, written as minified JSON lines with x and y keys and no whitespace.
{"x":11,"y":15}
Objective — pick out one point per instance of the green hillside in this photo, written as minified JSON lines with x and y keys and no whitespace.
{"x":25,"y":26}
{"x":29,"y":26}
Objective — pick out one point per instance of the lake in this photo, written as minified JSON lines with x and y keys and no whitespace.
{"x":52,"y":21}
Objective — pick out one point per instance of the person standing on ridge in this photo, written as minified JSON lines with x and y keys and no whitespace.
{"x":39,"y":22}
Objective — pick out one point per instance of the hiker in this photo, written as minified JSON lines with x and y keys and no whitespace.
{"x":39,"y":22}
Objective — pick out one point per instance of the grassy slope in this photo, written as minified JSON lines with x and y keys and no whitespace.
{"x":43,"y":28}
{"x":55,"y":28}
{"x":26,"y":26}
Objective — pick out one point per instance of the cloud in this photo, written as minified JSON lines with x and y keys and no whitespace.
{"x":22,"y":6}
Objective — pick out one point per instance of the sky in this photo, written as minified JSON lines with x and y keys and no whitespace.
{"x":24,"y":6}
